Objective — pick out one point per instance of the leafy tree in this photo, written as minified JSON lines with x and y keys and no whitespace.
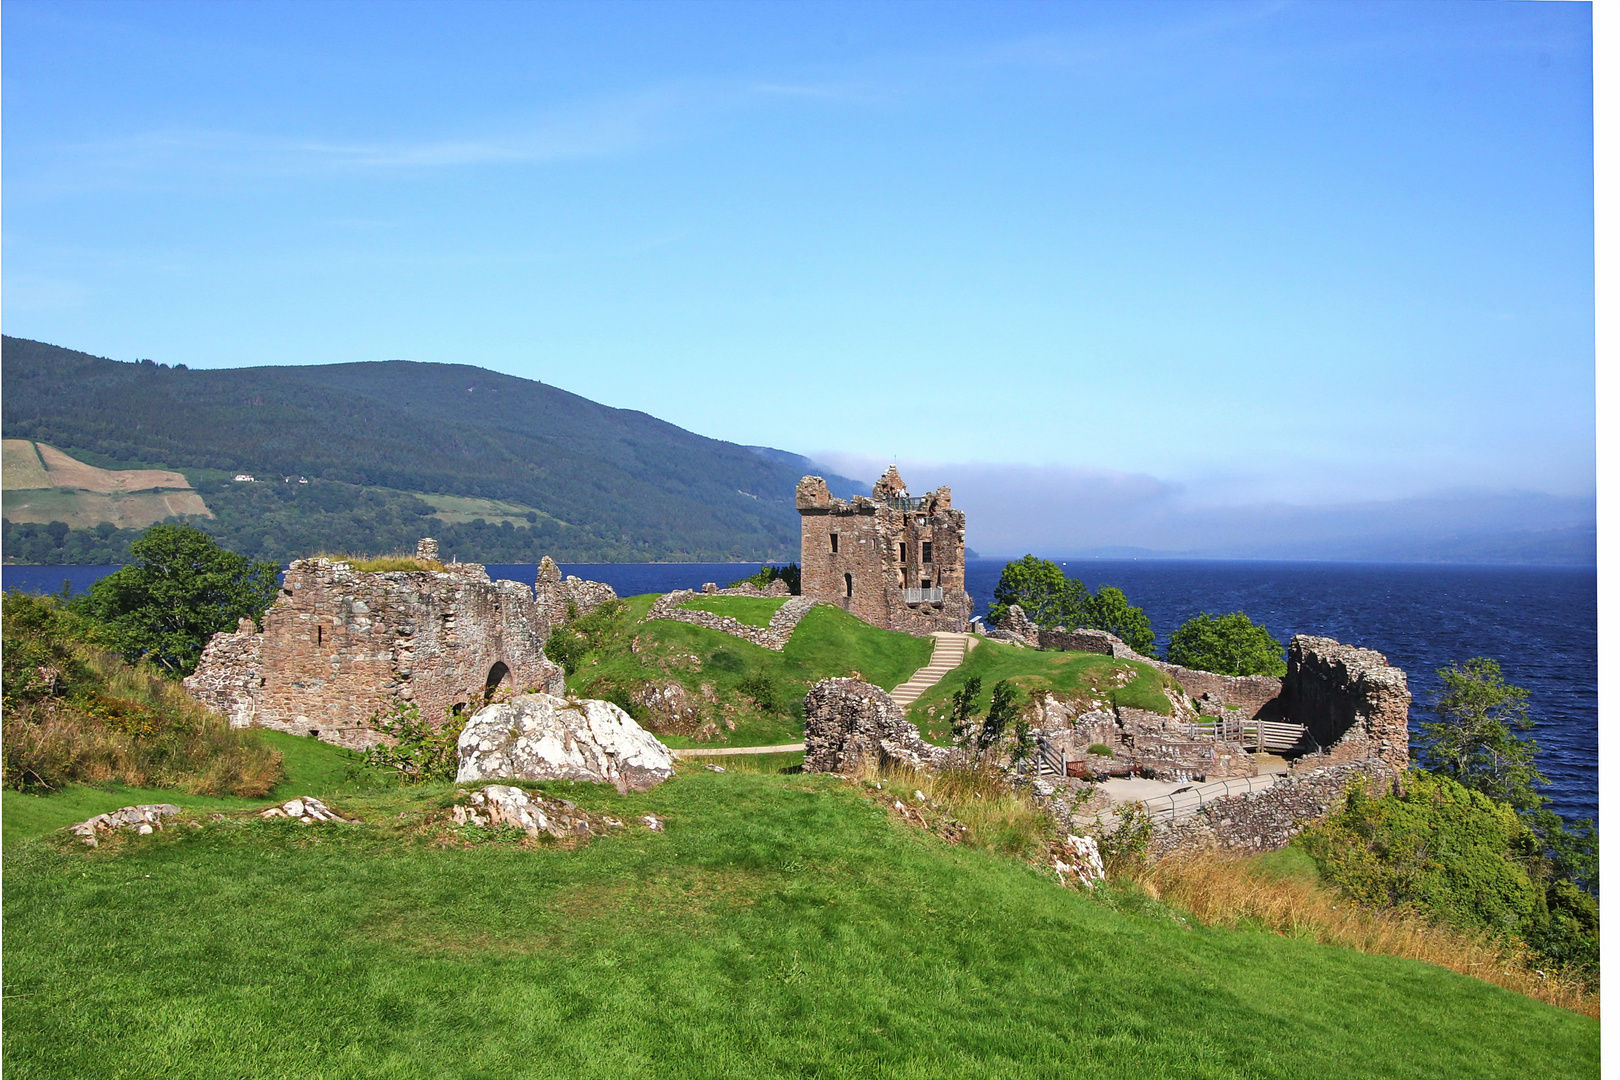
{"x":1226,"y":644}
{"x":1475,"y":737}
{"x":1110,"y":611}
{"x":963,"y":704}
{"x":181,"y":590}
{"x":766,"y":574}
{"x":1003,"y":710}
{"x":420,"y":752}
{"x":1048,"y":596}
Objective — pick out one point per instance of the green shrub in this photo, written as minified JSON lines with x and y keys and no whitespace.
{"x":1458,"y":857}
{"x":759,"y":687}
{"x":1100,"y":749}
{"x":420,"y":752}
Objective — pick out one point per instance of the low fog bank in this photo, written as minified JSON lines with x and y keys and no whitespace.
{"x":1061,"y":511}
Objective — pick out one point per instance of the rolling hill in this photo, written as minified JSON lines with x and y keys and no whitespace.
{"x":375,"y":438}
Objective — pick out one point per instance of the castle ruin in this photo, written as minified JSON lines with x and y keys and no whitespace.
{"x":893,"y":560}
{"x":340,"y":645}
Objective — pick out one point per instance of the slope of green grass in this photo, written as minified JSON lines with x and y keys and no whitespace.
{"x":312,"y":767}
{"x":781,"y":926}
{"x":1034,"y":672}
{"x":827,"y":642}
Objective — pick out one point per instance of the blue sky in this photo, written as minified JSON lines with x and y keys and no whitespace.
{"x":1213,"y":255}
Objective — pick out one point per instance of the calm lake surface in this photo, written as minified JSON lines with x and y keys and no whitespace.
{"x":1540,"y":623}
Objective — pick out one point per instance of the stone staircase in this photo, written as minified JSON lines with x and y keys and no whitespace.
{"x":949,"y":651}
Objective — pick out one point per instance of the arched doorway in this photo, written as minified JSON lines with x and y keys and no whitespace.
{"x":500,"y":676}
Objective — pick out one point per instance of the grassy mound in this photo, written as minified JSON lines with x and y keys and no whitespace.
{"x":753,"y":610}
{"x":780,"y":926}
{"x":753,"y":696}
{"x":1104,"y":679}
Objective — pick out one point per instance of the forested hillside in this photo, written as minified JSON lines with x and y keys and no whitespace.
{"x":605,"y":484}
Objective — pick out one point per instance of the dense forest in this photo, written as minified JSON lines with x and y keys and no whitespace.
{"x":621,"y":485}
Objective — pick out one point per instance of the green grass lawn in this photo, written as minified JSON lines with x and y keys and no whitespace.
{"x":782,"y":926}
{"x":312,"y":768}
{"x":827,"y":642}
{"x":1032,"y":672}
{"x":753,"y":610}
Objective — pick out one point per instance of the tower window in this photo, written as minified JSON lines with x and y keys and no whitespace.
{"x":902,"y":551}
{"x":849,"y":585}
{"x":928,"y":551}
{"x":319,"y":633}
{"x":834,"y":538}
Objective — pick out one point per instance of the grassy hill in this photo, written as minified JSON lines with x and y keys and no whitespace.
{"x":781,"y":925}
{"x":606,"y":484}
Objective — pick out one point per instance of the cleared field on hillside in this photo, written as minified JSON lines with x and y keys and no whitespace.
{"x":43,"y":484}
{"x":459,"y":509}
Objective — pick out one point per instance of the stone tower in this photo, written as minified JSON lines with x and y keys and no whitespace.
{"x":894,"y":560}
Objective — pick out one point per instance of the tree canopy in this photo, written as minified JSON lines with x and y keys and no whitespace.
{"x":181,"y":589}
{"x":1475,"y":738}
{"x":1227,"y":644}
{"x":1109,"y":610}
{"x":1048,"y":596}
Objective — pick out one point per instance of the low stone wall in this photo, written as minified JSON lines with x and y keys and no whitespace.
{"x":848,"y":722}
{"x":774,"y":589}
{"x":1266,"y":820}
{"x":553,"y":593}
{"x":774,"y":637}
{"x":1252,"y":695}
{"x":227,"y":676}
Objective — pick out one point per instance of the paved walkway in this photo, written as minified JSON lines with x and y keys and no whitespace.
{"x":949,"y":651}
{"x":723,"y":751}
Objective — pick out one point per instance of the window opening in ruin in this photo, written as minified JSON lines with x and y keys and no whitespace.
{"x":314,"y":733}
{"x":849,"y":585}
{"x":458,"y":708}
{"x":927,"y":584}
{"x":500,"y":675}
{"x":928,"y":553}
{"x":834,"y":537}
{"x":319,"y":633}
{"x":902,"y":551}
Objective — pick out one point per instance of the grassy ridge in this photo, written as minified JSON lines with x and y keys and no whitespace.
{"x":1104,"y":678}
{"x":758,"y":694}
{"x":782,"y":926}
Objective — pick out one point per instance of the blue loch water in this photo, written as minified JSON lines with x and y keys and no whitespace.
{"x":1540,"y":623}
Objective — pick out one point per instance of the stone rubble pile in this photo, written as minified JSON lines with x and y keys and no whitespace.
{"x":541,"y":737}
{"x":145,"y":819}
{"x":308,"y":810}
{"x":500,"y":804}
{"x":847,"y":721}
{"x":1080,"y":857}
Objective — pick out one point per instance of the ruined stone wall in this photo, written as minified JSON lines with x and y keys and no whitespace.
{"x":339,"y":645}
{"x":848,"y":723}
{"x":1267,"y":820}
{"x":1353,"y":703}
{"x":880,"y":552}
{"x":553,"y":594}
{"x":774,"y":636}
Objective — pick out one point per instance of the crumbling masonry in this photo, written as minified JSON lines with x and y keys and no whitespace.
{"x":340,"y":645}
{"x":892,"y":560}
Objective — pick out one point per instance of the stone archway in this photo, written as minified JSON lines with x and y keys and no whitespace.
{"x":499,"y":677}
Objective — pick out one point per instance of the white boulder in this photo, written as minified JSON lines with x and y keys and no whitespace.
{"x":541,"y":737}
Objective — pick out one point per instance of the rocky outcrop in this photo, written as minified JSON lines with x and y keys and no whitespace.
{"x":541,"y":737}
{"x":144,"y":819}
{"x":308,"y":810}
{"x":773,"y":636}
{"x":848,"y":722}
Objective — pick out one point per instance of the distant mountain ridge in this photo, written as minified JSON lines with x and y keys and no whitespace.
{"x":618,"y":485}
